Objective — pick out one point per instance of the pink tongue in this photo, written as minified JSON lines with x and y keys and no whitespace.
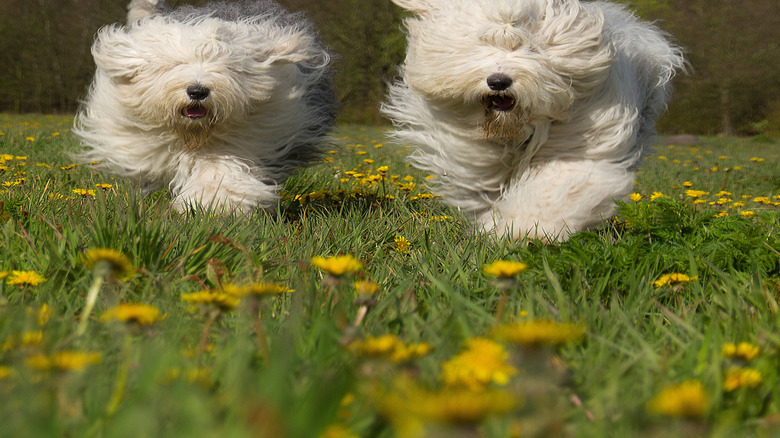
{"x":195,"y":111}
{"x":502,"y":103}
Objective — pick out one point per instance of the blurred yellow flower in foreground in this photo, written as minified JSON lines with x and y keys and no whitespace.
{"x":504,"y":268}
{"x":483,"y":362}
{"x":389,"y":347}
{"x":636,"y":197}
{"x":337,"y":431}
{"x":64,"y":361}
{"x":741,"y":378}
{"x":220,"y":300}
{"x":744,"y":350}
{"x":410,"y":407}
{"x":337,"y":265}
{"x":256,"y":289}
{"x":141,"y":314}
{"x":116,"y":264}
{"x":687,"y":399}
{"x":366,"y":287}
{"x":539,"y":332}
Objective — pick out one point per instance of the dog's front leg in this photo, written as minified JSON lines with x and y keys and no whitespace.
{"x":558,"y":198}
{"x":223,"y":184}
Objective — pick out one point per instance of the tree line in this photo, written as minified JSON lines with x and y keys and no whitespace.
{"x":732,"y":86}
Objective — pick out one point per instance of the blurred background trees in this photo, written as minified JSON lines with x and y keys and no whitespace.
{"x":733,"y":86}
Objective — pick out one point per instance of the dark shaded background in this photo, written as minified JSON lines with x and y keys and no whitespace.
{"x":733,"y":47}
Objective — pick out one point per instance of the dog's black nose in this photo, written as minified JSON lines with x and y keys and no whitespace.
{"x":198,"y":92}
{"x":499,"y":82}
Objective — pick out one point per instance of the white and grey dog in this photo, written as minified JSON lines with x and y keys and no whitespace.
{"x":531,"y":114}
{"x":220,"y":103}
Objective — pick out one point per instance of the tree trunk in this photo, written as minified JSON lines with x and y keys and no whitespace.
{"x":726,"y":124}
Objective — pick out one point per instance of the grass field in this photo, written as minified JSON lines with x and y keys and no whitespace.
{"x":661,"y":323}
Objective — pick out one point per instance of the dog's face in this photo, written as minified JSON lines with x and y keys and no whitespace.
{"x":191,"y":77}
{"x":504,"y":64}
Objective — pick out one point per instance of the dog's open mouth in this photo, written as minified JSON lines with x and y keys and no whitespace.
{"x":500,"y":102}
{"x":194,"y":111}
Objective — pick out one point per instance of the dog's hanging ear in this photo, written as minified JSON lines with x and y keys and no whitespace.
{"x":138,"y":9}
{"x":419,"y":7}
{"x":115,"y":53}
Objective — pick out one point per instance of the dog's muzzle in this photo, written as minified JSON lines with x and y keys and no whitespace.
{"x":197,"y":94}
{"x":499,"y":99}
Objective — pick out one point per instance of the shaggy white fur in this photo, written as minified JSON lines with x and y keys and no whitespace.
{"x":220,"y":103}
{"x":531,"y":114}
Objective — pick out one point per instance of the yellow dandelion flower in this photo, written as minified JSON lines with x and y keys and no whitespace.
{"x":687,"y":184}
{"x":141,"y":314}
{"x":5,"y":372}
{"x":722,"y":194}
{"x":662,"y":157}
{"x":504,"y":268}
{"x":383,"y":169}
{"x":741,"y":378}
{"x":389,"y":347}
{"x":721,"y":214}
{"x":30,"y":138}
{"x":744,"y":350}
{"x":756,"y":159}
{"x":407,"y":187}
{"x":337,"y":265}
{"x":401,"y":244}
{"x":74,"y":360}
{"x":24,"y":278}
{"x":738,"y":204}
{"x":44,"y":314}
{"x":267,"y":288}
{"x":656,"y":195}
{"x":257,"y":289}
{"x":539,"y":332}
{"x":64,"y":361}
{"x":337,"y":431}
{"x":483,"y":362}
{"x":104,"y":186}
{"x":110,"y":261}
{"x":84,"y":192}
{"x":368,"y":161}
{"x":672,"y":279}
{"x":220,"y":300}
{"x":747,"y":213}
{"x":409,"y":406}
{"x":68,"y":167}
{"x":636,"y":197}
{"x":687,"y":399}
{"x":26,"y":339}
{"x":366,"y":287}
{"x":39,"y":362}
{"x":696,"y":193}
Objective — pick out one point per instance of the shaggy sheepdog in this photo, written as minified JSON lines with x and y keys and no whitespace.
{"x":220,"y":103}
{"x":531,"y":114}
